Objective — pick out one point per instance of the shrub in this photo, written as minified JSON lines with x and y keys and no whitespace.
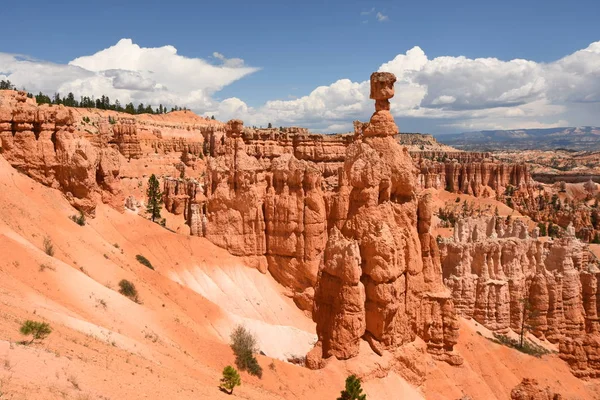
{"x":243,"y":344}
{"x":144,"y":261}
{"x":230,"y":379}
{"x":542,"y":227}
{"x":43,"y":267}
{"x":528,"y":347}
{"x":353,"y":390}
{"x":48,"y":246}
{"x":79,"y":220}
{"x":128,"y":289}
{"x":39,"y":330}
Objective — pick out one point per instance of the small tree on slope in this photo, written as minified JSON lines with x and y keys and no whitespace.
{"x":230,"y":379}
{"x":39,"y":330}
{"x":154,"y":198}
{"x":353,"y":390}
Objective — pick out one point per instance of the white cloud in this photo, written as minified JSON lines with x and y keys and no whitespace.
{"x":449,"y":94}
{"x":444,"y":94}
{"x":130,"y":73}
{"x":372,"y":10}
{"x":380,"y":17}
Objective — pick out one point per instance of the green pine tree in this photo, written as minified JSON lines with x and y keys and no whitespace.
{"x":353,"y":390}
{"x":230,"y":379}
{"x":154,"y":198}
{"x":39,"y":330}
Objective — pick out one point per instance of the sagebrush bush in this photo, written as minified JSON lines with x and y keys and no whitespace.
{"x":244,"y":346}
{"x":128,"y":289}
{"x":144,"y":261}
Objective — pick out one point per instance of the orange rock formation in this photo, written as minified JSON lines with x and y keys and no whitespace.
{"x":42,"y":142}
{"x":492,"y":267}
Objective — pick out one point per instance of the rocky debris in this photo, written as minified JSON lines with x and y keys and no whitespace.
{"x":131,"y":203}
{"x":492,"y":267}
{"x":41,"y":141}
{"x":530,"y":389}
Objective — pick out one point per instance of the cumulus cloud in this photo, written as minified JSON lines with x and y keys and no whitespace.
{"x":443,"y":94}
{"x":380,"y":17}
{"x":129,"y":72}
{"x":450,"y":94}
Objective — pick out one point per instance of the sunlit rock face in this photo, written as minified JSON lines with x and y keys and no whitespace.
{"x":493,"y":267}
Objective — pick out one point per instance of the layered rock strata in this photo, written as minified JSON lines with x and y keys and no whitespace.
{"x":477,"y":178}
{"x":42,"y":142}
{"x":499,"y":275}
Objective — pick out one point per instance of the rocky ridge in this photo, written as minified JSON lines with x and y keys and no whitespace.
{"x":43,"y":142}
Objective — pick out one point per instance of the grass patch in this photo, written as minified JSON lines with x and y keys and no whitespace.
{"x":528,"y":346}
{"x":144,"y":261}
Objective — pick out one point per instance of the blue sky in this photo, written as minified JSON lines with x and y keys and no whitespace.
{"x":299,"y":46}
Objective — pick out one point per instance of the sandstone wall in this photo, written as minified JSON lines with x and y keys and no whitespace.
{"x":493,"y":269}
{"x":477,"y":178}
{"x":42,"y":142}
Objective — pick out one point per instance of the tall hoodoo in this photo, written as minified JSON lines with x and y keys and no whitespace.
{"x":373,"y":282}
{"x":382,"y":90}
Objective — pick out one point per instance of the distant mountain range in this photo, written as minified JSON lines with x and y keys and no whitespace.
{"x":580,"y":138}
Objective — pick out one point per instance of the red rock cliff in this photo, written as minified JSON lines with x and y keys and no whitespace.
{"x":42,"y":142}
{"x":492,"y":267}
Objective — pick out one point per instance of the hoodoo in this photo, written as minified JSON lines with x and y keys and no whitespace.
{"x":379,"y":279}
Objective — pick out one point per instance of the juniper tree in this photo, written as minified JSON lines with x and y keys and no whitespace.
{"x":154,"y":195}
{"x":353,"y":390}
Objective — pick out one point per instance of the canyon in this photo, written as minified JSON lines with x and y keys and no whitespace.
{"x":338,"y":238}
